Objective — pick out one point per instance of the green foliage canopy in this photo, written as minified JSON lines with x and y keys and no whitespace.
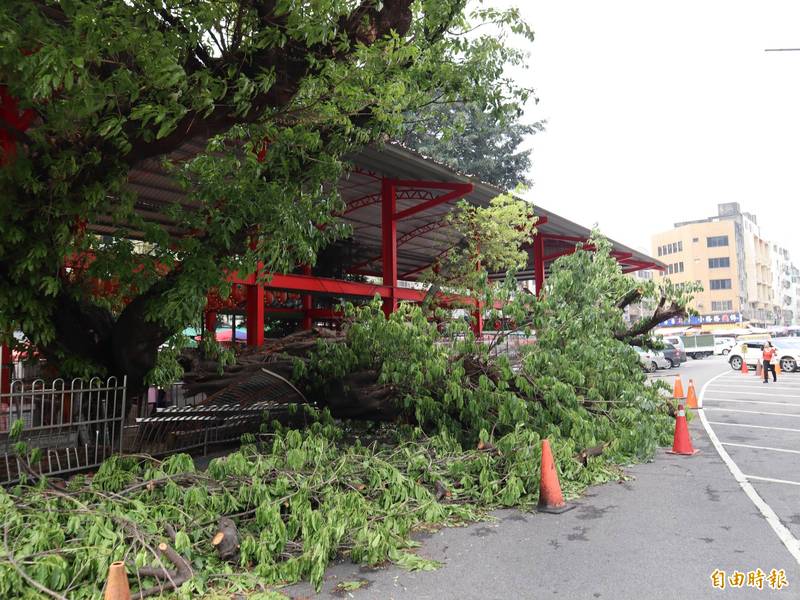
{"x":118,"y":85}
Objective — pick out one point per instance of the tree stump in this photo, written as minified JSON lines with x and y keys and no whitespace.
{"x":226,"y":540}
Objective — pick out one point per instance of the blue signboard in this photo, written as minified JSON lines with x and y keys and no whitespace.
{"x":703,"y":320}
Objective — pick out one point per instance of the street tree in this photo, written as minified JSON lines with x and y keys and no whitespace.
{"x":275,"y":94}
{"x":475,"y":140}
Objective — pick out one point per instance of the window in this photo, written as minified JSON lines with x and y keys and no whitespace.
{"x":675,"y":268}
{"x":673,"y":247}
{"x":716,"y":241}
{"x":660,"y":250}
{"x":680,"y":246}
{"x":717,"y":263}
{"x":695,"y":240}
{"x":721,"y":306}
{"x":720,"y":284}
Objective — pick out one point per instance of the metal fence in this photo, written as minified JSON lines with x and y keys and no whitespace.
{"x":73,"y":425}
{"x":196,"y":422}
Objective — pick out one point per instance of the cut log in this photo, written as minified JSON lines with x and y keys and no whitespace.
{"x":226,"y":540}
{"x":584,"y":455}
{"x":169,"y":579}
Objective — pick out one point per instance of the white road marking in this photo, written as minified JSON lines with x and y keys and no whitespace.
{"x":756,"y":477}
{"x":774,"y":395}
{"x":754,"y":426}
{"x":761,"y":447}
{"x":784,"y":535}
{"x":753,"y":401}
{"x":753,"y":412}
{"x":759,"y":381}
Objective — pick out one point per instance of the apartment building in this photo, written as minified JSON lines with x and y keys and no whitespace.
{"x":729,"y":257}
{"x":785,"y":282}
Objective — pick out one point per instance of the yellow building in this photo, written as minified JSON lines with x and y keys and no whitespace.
{"x":729,"y":258}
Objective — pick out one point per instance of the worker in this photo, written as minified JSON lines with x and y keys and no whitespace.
{"x":767,"y":356}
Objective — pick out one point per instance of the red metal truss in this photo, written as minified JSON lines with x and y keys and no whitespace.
{"x":457,"y":190}
{"x":405,"y":238}
{"x":370,"y":199}
{"x":421,"y":230}
{"x":361,"y":202}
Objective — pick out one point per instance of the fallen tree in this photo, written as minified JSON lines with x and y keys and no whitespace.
{"x":466,"y":439}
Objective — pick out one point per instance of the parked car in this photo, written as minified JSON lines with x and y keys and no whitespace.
{"x":789,"y":357}
{"x":674,"y":355}
{"x":651,"y":360}
{"x":723,"y":345}
{"x":661,"y":361}
{"x":675,"y":341}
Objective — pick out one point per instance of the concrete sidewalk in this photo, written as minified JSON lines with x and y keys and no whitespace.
{"x":657,"y":536}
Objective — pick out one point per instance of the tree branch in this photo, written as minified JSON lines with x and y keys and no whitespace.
{"x":645,"y":325}
{"x":630,"y":298}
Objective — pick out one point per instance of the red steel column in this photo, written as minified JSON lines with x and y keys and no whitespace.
{"x":307,"y":303}
{"x":538,"y":263}
{"x":389,"y":246}
{"x":255,"y":314}
{"x":211,"y":322}
{"x":477,"y":321}
{"x":6,"y":369}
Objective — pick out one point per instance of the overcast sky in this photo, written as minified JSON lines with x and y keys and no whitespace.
{"x":657,"y":111}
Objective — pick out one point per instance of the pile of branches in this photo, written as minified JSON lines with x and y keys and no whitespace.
{"x":275,"y":512}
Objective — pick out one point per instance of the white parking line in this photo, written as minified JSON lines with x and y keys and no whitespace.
{"x":758,"y":382}
{"x":752,"y":401}
{"x":754,"y":426}
{"x":784,"y":535}
{"x":746,"y":393}
{"x":753,"y":412}
{"x":756,"y":477}
{"x":761,"y":447}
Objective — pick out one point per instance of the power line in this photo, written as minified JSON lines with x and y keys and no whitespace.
{"x":781,"y":49}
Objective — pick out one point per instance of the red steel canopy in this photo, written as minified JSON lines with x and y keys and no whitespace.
{"x":396,"y":203}
{"x":425,"y":192}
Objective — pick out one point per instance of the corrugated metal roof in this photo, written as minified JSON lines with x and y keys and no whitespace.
{"x":422,"y":237}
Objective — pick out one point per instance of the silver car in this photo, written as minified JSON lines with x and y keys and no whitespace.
{"x":652,"y":360}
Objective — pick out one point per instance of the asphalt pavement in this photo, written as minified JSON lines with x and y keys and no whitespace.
{"x":660,"y":535}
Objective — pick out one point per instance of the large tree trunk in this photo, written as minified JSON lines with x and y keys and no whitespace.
{"x":125,"y":346}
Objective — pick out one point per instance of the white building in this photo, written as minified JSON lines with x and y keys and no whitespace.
{"x":785,"y":280}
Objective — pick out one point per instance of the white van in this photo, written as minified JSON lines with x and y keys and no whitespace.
{"x":675,"y":341}
{"x":723,"y":345}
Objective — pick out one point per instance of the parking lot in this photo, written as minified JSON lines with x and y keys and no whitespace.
{"x":755,"y":427}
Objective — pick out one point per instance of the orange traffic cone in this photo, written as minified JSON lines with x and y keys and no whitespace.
{"x":691,"y":397}
{"x":682,"y":443}
{"x":117,"y":585}
{"x":778,"y":368}
{"x":744,"y":367}
{"x":759,"y":369}
{"x":551,"y":500}
{"x":677,"y":391}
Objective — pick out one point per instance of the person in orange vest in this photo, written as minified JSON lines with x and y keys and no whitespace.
{"x":767,"y":355}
